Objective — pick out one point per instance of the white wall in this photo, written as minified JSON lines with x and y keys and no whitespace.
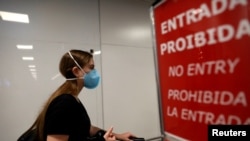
{"x":121,"y":29}
{"x":129,"y":87}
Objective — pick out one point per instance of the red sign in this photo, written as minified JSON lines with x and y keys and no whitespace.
{"x":203,"y":55}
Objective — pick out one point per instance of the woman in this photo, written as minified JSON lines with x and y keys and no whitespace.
{"x":64,"y":118}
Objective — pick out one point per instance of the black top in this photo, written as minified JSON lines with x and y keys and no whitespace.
{"x":67,"y":116}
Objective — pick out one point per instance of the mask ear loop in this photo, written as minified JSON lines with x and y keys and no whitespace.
{"x":75,"y":62}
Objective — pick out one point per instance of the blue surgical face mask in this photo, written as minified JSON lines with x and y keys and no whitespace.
{"x":90,"y":79}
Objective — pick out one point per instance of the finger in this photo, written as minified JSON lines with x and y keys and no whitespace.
{"x":108,"y":132}
{"x":132,"y":135}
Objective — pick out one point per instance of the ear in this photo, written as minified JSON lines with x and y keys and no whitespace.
{"x":76,"y":71}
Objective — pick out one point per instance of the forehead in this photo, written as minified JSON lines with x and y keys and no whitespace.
{"x":91,"y":61}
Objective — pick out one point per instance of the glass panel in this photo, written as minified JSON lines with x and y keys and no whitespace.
{"x":53,"y":28}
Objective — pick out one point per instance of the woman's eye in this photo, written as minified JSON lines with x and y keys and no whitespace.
{"x":91,"y":67}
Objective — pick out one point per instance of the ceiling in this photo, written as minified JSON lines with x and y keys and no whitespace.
{"x":59,"y":25}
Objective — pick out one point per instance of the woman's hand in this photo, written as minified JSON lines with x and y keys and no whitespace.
{"x":108,"y":136}
{"x":124,"y":136}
